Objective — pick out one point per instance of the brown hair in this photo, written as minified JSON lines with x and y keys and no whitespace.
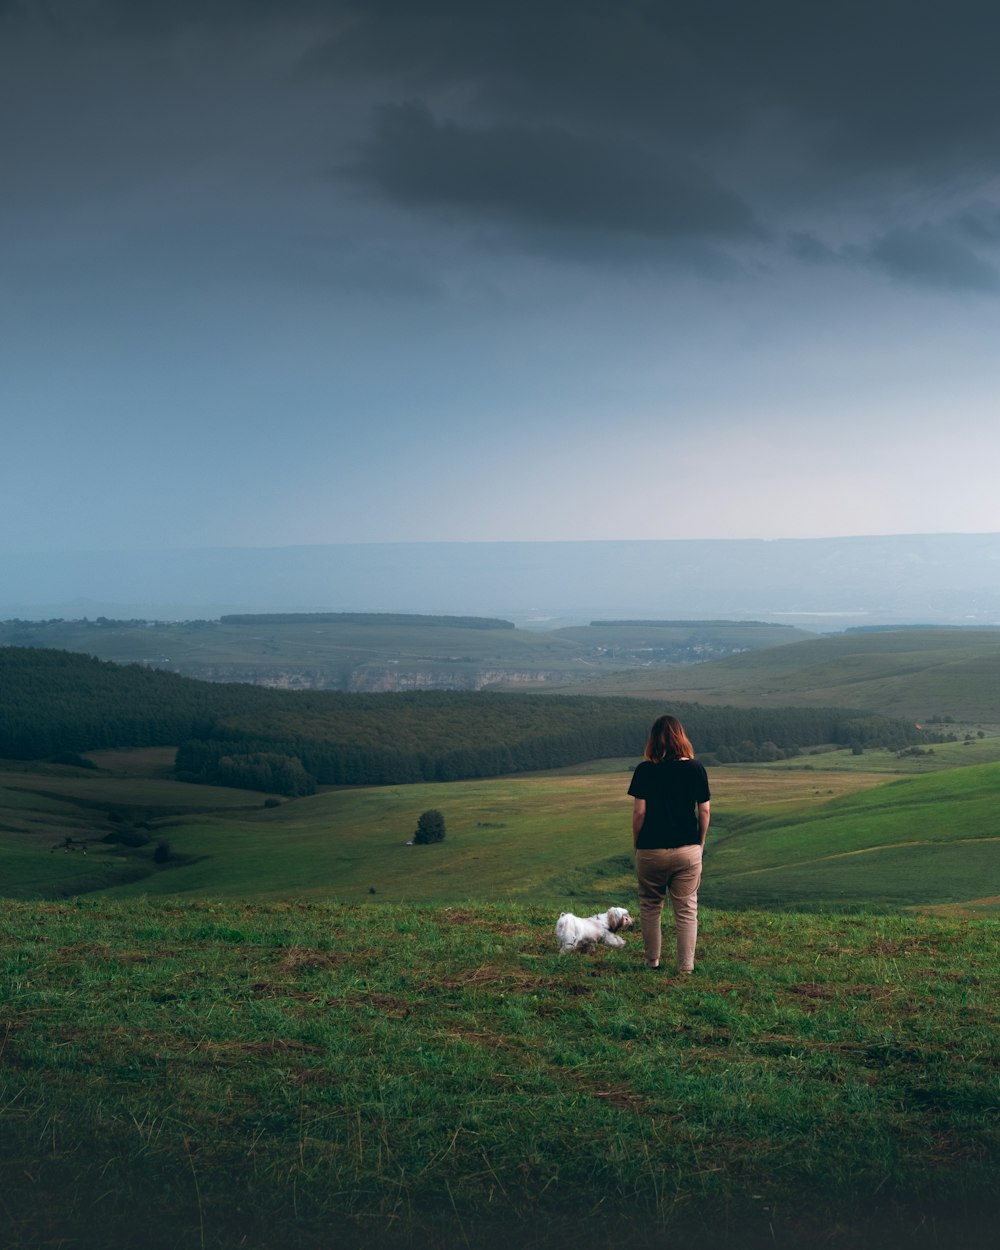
{"x":667,"y":741}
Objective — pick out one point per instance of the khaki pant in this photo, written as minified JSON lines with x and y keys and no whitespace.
{"x":677,"y":871}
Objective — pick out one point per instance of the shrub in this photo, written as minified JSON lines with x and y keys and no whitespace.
{"x":430,"y":828}
{"x":162,"y":853}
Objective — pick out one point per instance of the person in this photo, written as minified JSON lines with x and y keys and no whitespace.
{"x":670,"y":815}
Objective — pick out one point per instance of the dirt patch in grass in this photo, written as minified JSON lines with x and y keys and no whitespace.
{"x":488,"y":976}
{"x":465,"y":915}
{"x":314,"y":1076}
{"x":309,"y":959}
{"x":626,"y":1099}
{"x":901,"y":946}
{"x":273,"y":1046}
{"x":478,"y":1037}
{"x":104,"y":954}
{"x":810,"y":989}
{"x":274,"y":989}
{"x":392,"y":1005}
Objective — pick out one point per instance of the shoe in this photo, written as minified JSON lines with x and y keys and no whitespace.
{"x":654,"y":967}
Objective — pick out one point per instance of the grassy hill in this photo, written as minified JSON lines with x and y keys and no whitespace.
{"x":353,"y":655}
{"x":246,"y":1048}
{"x":918,"y":841}
{"x":505,"y":836}
{"x":306,"y":1075}
{"x":915,"y":674}
{"x":781,"y":838}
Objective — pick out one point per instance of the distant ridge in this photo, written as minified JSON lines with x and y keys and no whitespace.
{"x":818,"y":583}
{"x":365,"y":618}
{"x":698,"y":624}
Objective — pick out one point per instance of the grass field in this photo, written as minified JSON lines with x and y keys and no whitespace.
{"x":537,"y":837}
{"x":246,"y":1047}
{"x":782,"y":837}
{"x":914,"y":674}
{"x":299,"y":1075}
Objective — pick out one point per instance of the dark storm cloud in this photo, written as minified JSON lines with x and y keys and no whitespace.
{"x":547,"y":176}
{"x":903,"y":80}
{"x":151,"y":17}
{"x":926,"y":254}
{"x":932,"y":256}
{"x":684,"y":120}
{"x":723,"y":121}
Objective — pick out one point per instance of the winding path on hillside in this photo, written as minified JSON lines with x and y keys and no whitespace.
{"x":865,"y":850}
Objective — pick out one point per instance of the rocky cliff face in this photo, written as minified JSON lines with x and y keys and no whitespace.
{"x":371,"y":679}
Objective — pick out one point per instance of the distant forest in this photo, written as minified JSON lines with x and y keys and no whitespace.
{"x":365,"y":618}
{"x":289,"y":741}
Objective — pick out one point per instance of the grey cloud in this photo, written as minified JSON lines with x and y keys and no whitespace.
{"x":689,"y":118}
{"x":624,"y":119}
{"x":932,"y":256}
{"x":547,"y":176}
{"x":902,"y":81}
{"x":153,"y":17}
{"x":927,"y":254}
{"x":899,"y":84}
{"x":981,"y":224}
{"x":810,"y":248}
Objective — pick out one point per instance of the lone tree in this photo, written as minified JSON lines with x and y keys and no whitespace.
{"x":430,"y":828}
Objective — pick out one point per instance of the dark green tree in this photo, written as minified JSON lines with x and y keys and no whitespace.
{"x":430,"y":828}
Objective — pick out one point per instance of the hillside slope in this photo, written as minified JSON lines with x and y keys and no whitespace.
{"x":383,"y":653}
{"x":916,"y":674}
{"x":779,"y":839}
{"x":919,"y":841}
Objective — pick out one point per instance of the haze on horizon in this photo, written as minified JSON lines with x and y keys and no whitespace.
{"x":339,"y":271}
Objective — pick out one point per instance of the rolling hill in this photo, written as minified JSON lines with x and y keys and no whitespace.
{"x":916,"y":674}
{"x":781,"y":839}
{"x":379,"y":653}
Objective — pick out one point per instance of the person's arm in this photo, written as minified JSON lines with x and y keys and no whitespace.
{"x":704,"y":816}
{"x":638,"y":816}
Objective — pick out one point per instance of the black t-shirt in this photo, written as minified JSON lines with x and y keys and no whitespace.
{"x":671,"y":789}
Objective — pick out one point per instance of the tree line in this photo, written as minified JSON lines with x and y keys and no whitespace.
{"x":289,"y":741}
{"x":365,"y":618}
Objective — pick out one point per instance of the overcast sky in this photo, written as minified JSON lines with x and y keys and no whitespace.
{"x":323,"y":271}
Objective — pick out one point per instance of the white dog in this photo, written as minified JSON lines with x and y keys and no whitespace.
{"x":576,"y":934}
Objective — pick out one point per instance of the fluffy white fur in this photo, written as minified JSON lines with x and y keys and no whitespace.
{"x":573,"y":933}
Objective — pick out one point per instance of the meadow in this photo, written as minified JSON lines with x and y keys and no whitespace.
{"x":916,"y":674}
{"x":301,"y":1075}
{"x":783,"y":836}
{"x":537,"y":837}
{"x":300,"y":1033}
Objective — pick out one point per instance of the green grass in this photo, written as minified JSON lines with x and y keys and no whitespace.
{"x":910,"y":674}
{"x":41,"y":805}
{"x":307,"y":1075}
{"x":781,"y":837}
{"x":941,"y":757}
{"x":912,"y":842}
{"x":548,"y":837}
{"x":246,"y":1048}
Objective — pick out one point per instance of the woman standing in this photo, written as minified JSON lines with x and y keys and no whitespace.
{"x":670,"y":816}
